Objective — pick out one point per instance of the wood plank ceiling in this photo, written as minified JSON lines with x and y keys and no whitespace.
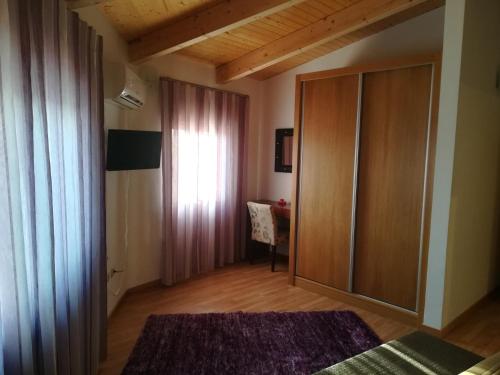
{"x":235,"y":36}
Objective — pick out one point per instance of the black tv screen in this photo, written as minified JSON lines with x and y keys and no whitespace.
{"x":133,"y":149}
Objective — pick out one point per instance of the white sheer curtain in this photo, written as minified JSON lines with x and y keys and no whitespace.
{"x":52,"y":235}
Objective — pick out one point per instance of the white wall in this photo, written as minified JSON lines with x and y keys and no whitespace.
{"x":419,"y":35}
{"x":445,"y":148}
{"x":472,"y":257}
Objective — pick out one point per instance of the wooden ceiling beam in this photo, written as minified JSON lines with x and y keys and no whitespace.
{"x":75,"y":4}
{"x":220,"y":18}
{"x":348,"y":39}
{"x":338,"y":24}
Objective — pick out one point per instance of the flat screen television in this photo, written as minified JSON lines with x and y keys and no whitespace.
{"x":133,"y":149}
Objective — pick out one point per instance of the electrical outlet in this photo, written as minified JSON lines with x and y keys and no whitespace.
{"x":112,"y":273}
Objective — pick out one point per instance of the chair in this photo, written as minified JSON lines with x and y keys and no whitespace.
{"x":265,"y":228}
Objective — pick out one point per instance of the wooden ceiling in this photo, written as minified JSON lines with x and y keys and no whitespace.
{"x":257,"y":38}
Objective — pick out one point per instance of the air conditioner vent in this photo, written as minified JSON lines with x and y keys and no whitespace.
{"x":131,"y":99}
{"x":123,"y":86}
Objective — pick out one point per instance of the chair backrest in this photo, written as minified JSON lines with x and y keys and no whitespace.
{"x":264,"y":228}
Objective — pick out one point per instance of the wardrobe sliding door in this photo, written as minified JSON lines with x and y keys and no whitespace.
{"x":392,"y":167}
{"x":328,"y":148}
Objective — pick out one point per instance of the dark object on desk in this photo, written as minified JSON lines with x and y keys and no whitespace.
{"x":283,"y":150}
{"x":282,"y":212}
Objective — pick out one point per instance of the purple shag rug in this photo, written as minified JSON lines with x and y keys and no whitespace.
{"x":248,"y":343}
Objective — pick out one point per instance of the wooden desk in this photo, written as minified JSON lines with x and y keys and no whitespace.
{"x":257,"y":249}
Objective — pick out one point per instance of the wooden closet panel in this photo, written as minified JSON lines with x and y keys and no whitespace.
{"x":326,"y":180}
{"x":393,"y":142}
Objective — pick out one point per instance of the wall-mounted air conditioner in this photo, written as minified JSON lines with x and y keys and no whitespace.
{"x":123,"y":86}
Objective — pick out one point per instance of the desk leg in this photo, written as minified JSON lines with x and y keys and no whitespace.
{"x":273,"y":261}
{"x":250,"y":251}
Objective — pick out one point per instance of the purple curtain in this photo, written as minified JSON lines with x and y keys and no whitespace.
{"x":203,"y":178}
{"x":52,"y":234}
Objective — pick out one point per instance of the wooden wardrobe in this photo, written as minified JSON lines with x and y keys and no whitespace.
{"x":364,"y":153}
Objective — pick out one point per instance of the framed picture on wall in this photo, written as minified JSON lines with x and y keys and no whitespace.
{"x":283,"y":150}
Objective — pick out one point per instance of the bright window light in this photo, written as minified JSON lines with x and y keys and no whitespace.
{"x":201,"y":159}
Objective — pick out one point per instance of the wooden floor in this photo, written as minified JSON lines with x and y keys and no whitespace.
{"x":255,"y":288}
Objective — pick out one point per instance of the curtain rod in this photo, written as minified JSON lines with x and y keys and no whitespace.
{"x":204,"y":87}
